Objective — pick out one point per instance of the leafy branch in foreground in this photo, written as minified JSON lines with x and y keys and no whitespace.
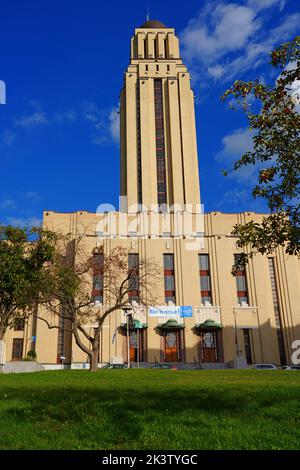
{"x":276,"y":147}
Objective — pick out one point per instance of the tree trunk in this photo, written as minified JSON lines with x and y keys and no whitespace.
{"x":94,"y":360}
{"x":2,"y":332}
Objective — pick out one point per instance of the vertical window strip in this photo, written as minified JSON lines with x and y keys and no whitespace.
{"x":278,"y":322}
{"x":98,"y":266}
{"x":160,"y":143}
{"x":204,"y":274}
{"x":241,"y":286}
{"x":169,"y":278}
{"x":60,"y":339}
{"x":133,"y":277}
{"x":247,"y":344}
{"x":139,"y":153}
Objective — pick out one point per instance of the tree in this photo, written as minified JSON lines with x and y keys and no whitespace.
{"x":76,"y":278}
{"x":23,"y":256}
{"x":276,"y":147}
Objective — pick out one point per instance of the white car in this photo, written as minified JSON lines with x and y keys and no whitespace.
{"x":264,"y":367}
{"x":291,"y":368}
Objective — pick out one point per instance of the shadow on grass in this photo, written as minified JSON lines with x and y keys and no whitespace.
{"x":106,"y":415}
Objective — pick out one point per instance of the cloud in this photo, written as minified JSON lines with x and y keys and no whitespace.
{"x":234,"y":197}
{"x":7,"y":204}
{"x":33,"y":120}
{"x":234,"y":145}
{"x":227,"y":40}
{"x":114,"y":124}
{"x":8,"y":137}
{"x":32,"y":196}
{"x":105,"y":123}
{"x":65,"y":117}
{"x":24,"y":222}
{"x":259,"y":5}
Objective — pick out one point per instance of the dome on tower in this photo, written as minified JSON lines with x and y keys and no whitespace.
{"x":153,"y":24}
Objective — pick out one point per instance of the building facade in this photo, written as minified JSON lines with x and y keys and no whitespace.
{"x":205,"y":315}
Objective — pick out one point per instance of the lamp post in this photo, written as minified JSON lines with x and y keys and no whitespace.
{"x":128,"y":312}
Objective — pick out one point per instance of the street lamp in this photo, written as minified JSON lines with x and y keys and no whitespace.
{"x":128,"y":312}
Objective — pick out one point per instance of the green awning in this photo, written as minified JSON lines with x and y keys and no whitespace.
{"x":209,"y":325}
{"x":171,"y":325}
{"x":137,"y":325}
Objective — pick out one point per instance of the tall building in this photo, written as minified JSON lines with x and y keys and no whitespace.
{"x":159,"y":163}
{"x":207,"y":318}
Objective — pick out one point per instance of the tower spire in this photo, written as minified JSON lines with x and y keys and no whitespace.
{"x":148,"y":14}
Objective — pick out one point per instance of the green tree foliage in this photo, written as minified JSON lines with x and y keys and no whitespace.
{"x":23,"y":257}
{"x":276,"y":147}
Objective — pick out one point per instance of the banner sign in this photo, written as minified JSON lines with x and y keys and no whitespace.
{"x":163,"y":311}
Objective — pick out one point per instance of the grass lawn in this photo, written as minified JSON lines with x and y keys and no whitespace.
{"x":150,"y":409}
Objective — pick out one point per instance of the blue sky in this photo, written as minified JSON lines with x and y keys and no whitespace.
{"x":59,"y":145}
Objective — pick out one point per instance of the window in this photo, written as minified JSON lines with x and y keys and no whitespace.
{"x":247,"y":344}
{"x":133,"y":280}
{"x":17,"y":350}
{"x":98,"y":266}
{"x":241,"y":286}
{"x":169,"y":278}
{"x":139,"y":154}
{"x":205,"y":285}
{"x":160,"y":143}
{"x":19,"y":324}
{"x":278,"y":322}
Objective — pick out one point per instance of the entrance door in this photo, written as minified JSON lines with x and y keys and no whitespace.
{"x":136,"y":345}
{"x":208,"y":346}
{"x":172,"y":346}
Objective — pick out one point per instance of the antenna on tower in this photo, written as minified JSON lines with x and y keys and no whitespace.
{"x":148,"y":14}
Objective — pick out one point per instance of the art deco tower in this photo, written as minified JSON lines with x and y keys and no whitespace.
{"x":159,"y":162}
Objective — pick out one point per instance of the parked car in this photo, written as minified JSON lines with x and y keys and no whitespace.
{"x":164,"y":365}
{"x":114,"y":366}
{"x":291,"y":368}
{"x":264,"y":367}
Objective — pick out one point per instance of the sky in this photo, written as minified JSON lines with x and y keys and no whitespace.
{"x":63,"y":62}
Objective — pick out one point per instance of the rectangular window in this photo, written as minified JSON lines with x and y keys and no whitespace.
{"x":247,"y":344}
{"x":169,"y":278}
{"x":241,"y":287}
{"x":19,"y":324}
{"x":278,"y":321}
{"x":160,"y":143}
{"x":17,"y":350}
{"x":133,"y":277}
{"x":98,"y":267}
{"x":204,"y":273}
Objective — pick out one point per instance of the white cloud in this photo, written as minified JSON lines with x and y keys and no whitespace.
{"x":7,"y":204}
{"x":234,"y":145}
{"x":24,"y":222}
{"x":114,"y":124}
{"x":105,"y":123}
{"x":226,"y":40}
{"x":263,"y":4}
{"x":32,"y":196}
{"x":8,"y":137}
{"x":234,"y":197}
{"x":34,"y":120}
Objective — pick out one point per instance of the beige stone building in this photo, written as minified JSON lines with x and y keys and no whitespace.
{"x":206,"y":317}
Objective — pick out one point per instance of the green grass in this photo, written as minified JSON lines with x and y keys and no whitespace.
{"x":148,"y":409}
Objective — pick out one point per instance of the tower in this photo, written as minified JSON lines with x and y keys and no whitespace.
{"x":159,"y":163}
